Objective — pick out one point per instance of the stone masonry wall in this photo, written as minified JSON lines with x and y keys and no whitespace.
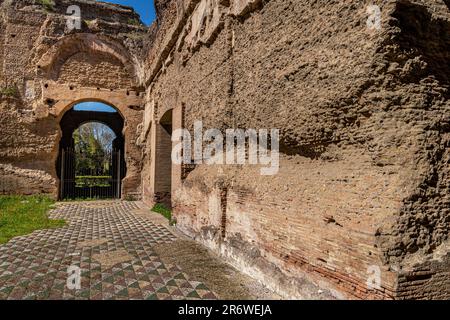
{"x":364,"y":119}
{"x":99,"y":71}
{"x":363,"y":116}
{"x":45,"y":69}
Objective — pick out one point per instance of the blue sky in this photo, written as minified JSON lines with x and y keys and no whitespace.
{"x":145,"y":8}
{"x":93,"y":106}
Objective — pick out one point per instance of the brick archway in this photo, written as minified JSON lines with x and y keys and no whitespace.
{"x":50,"y":64}
{"x":123,"y":124}
{"x":90,"y":67}
{"x":65,"y":164}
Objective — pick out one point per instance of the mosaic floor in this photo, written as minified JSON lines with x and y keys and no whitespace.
{"x":108,"y":244}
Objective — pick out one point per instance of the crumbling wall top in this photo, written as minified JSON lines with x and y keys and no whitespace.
{"x":90,"y":9}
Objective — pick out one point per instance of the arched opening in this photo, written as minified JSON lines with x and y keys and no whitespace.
{"x":163,"y":161}
{"x":91,"y":161}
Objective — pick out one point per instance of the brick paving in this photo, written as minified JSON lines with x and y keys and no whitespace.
{"x":109,"y":243}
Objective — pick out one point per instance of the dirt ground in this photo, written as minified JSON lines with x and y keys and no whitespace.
{"x":203,"y":265}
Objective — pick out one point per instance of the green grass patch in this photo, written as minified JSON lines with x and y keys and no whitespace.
{"x":89,"y":22}
{"x":134,"y":22}
{"x":9,"y":92}
{"x":130,"y":197}
{"x":162,"y":210}
{"x":48,"y":5}
{"x":21,"y":215}
{"x":93,"y":181}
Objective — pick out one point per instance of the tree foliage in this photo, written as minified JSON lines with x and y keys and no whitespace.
{"x":93,"y":148}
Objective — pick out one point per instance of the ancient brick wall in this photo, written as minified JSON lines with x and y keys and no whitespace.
{"x":363,"y":114}
{"x":364,"y":138}
{"x":46,"y":68}
{"x":20,"y":139}
{"x":99,"y":71}
{"x":426,"y":280}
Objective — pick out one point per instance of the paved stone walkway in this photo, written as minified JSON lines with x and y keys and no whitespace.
{"x":112,"y":244}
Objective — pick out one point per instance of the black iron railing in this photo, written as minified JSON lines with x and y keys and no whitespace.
{"x":96,"y":183}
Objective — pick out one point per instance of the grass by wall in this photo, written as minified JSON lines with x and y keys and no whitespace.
{"x":21,"y":215}
{"x":165,"y":212}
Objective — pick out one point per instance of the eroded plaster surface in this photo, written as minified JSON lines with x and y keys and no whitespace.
{"x":363,"y":117}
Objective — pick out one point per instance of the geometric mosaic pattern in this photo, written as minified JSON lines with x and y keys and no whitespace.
{"x":111,"y":246}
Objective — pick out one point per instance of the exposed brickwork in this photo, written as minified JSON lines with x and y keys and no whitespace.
{"x":363,"y":117}
{"x":363,"y":139}
{"x":100,"y":71}
{"x":223,"y":209}
{"x":50,"y":69}
{"x":429,"y":280}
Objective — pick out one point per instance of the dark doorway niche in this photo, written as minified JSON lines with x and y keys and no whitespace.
{"x":163,"y":161}
{"x":102,"y":180}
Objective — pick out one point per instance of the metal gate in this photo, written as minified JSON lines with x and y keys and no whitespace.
{"x":103,"y":182}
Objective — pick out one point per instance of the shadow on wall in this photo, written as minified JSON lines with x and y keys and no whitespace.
{"x":425,"y":41}
{"x":163,"y":161}
{"x":447,"y":2}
